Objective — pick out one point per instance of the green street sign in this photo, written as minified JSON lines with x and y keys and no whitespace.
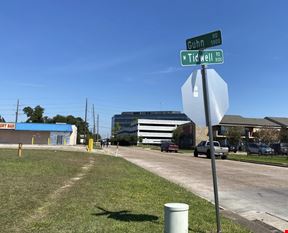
{"x":204,"y":41}
{"x":201,"y":57}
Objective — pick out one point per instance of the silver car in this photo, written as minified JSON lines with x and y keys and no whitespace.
{"x":261,"y":149}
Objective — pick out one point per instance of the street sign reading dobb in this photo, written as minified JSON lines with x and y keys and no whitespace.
{"x":204,"y":41}
{"x":201,"y":57}
{"x":193,"y":102}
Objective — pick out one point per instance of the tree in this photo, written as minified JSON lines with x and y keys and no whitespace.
{"x":177,"y":135}
{"x":2,"y":119}
{"x":183,"y":136}
{"x":234,"y":134}
{"x":140,"y":139}
{"x":34,"y":115}
{"x":267,"y":135}
{"x":133,"y":139}
{"x":116,"y":128}
{"x":96,"y":137}
{"x":283,"y":135}
{"x":124,"y":140}
{"x":82,"y":127}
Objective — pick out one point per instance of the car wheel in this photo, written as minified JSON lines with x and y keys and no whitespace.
{"x":224,"y":157}
{"x":195,"y":153}
{"x":161,"y":150}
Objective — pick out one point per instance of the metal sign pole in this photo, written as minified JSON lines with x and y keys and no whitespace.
{"x":212,"y":154}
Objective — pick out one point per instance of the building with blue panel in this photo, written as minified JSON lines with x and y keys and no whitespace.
{"x":38,"y":133}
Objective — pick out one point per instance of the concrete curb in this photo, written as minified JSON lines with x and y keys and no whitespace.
{"x":260,"y":163}
{"x":254,"y":226}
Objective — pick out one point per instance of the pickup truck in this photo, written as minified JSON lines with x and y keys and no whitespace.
{"x":204,"y":148}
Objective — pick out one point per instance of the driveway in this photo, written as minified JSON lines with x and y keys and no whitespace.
{"x":255,"y":192}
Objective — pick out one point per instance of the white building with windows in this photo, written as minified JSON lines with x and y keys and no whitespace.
{"x":151,"y":131}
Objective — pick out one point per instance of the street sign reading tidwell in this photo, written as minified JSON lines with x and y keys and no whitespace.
{"x":204,"y":41}
{"x":198,"y":57}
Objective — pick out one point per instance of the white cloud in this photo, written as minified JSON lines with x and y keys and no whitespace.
{"x":167,"y":70}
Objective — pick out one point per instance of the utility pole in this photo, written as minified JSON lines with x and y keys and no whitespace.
{"x":85,"y":130}
{"x":94,"y":121}
{"x":97,"y":127}
{"x":17,"y":111}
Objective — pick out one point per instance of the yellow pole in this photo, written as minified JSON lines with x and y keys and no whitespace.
{"x":20,"y":150}
{"x":64,"y":141}
{"x":48,"y":141}
{"x":32,"y":140}
{"x":90,"y":145}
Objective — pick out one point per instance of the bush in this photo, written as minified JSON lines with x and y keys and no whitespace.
{"x":125,"y":140}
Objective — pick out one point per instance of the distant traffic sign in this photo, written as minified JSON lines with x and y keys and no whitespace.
{"x":204,"y":41}
{"x":198,"y":57}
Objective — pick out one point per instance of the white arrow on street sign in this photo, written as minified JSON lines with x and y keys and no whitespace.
{"x":193,"y":102}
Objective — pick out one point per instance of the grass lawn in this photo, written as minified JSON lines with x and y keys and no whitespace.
{"x":114,"y":196}
{"x":274,"y":159}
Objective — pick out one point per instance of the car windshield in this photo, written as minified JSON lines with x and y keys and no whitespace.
{"x":264,"y":146}
{"x":215,"y":143}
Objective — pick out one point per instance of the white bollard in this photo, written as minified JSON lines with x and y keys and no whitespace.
{"x":176,"y":218}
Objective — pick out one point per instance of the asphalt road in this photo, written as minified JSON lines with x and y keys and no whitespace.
{"x":255,"y":192}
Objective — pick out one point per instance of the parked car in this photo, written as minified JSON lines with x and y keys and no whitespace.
{"x":231,"y":147}
{"x":169,"y":147}
{"x":280,"y":148}
{"x":261,"y":149}
{"x":204,"y":148}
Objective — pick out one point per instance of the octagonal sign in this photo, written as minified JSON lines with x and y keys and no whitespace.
{"x":193,"y":102}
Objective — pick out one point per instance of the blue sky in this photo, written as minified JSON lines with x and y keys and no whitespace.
{"x":124,"y":55}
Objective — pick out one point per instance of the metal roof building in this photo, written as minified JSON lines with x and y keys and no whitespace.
{"x":237,"y":120}
{"x":38,"y":133}
{"x":282,"y":121}
{"x":250,"y":127}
